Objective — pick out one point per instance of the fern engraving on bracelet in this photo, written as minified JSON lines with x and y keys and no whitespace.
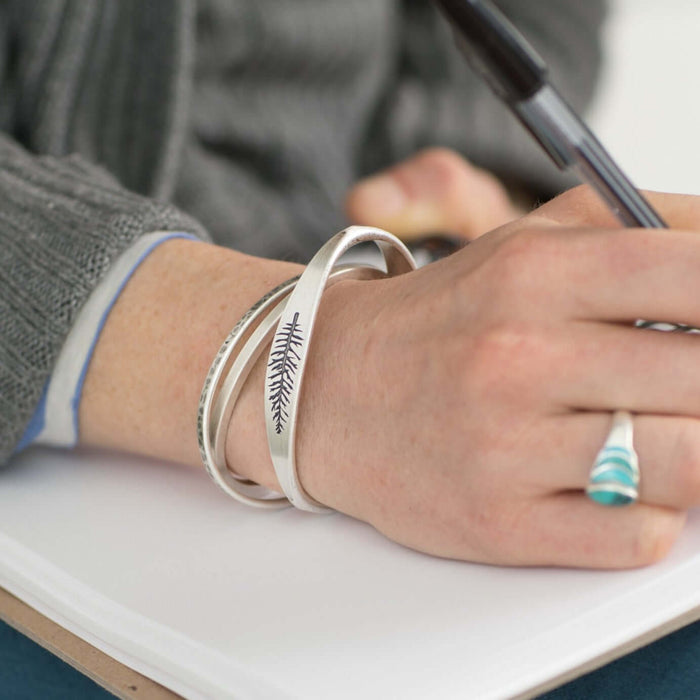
{"x":284,"y":360}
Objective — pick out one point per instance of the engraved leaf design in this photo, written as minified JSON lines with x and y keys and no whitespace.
{"x":284,"y":362}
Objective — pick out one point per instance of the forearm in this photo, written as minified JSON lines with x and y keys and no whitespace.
{"x":143,"y":383}
{"x":457,"y":408}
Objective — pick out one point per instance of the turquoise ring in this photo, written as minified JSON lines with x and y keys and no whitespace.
{"x":614,"y":477}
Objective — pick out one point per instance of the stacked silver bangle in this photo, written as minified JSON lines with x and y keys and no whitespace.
{"x":240,"y":489}
{"x":291,"y":309}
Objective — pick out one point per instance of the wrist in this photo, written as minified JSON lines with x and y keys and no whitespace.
{"x":143,"y":384}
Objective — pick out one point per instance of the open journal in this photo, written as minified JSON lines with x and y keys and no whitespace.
{"x":150,"y":563}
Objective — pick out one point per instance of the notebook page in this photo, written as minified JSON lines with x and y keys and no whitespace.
{"x":150,"y":563}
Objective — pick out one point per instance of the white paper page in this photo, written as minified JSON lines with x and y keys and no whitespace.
{"x":151,"y":563}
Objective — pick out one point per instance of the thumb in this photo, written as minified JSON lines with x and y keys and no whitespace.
{"x":435,"y":191}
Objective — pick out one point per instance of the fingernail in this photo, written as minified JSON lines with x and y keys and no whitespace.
{"x":380,"y":196}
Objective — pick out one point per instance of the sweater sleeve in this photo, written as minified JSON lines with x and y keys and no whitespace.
{"x":438,"y":100}
{"x":63,"y":225}
{"x":55,"y":419}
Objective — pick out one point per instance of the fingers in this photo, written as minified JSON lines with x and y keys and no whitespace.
{"x":582,"y":206}
{"x":546,"y":519}
{"x":617,"y":275}
{"x":597,"y":366}
{"x":436,"y":191}
{"x":668,"y":448}
{"x":561,"y":529}
{"x":570,"y":530}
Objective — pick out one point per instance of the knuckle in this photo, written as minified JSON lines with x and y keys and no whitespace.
{"x":520,"y":259}
{"x":434,"y":170}
{"x":656,"y":535}
{"x":576,"y":204}
{"x":446,"y":169}
{"x":510,"y":350}
{"x":443,"y":158}
{"x":461,"y":184}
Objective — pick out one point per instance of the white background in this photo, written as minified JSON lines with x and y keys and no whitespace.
{"x":647,"y":112}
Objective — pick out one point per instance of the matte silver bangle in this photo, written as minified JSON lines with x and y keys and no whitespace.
{"x":238,"y":487}
{"x":242,"y":329}
{"x":290,"y":346}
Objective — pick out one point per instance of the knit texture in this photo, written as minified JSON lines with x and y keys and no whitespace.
{"x":293,"y":101}
{"x":285,"y":106}
{"x":108,"y":81}
{"x":62,"y":224}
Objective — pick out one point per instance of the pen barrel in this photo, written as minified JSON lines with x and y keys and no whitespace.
{"x":495,"y":48}
{"x":572,"y":145}
{"x":597,"y":168}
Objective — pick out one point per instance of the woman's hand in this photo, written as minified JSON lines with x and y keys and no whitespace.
{"x":459,"y":409}
{"x":435,"y":191}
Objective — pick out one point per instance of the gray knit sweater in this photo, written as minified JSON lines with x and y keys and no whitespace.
{"x":286,"y":104}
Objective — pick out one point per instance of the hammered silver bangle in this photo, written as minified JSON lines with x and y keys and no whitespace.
{"x":251,"y":494}
{"x":290,"y":346}
{"x":219,"y":416}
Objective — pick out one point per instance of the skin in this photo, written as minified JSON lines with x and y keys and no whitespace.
{"x":457,"y":408}
{"x":436,"y":190}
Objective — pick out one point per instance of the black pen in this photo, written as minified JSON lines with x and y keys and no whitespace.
{"x":518,"y":75}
